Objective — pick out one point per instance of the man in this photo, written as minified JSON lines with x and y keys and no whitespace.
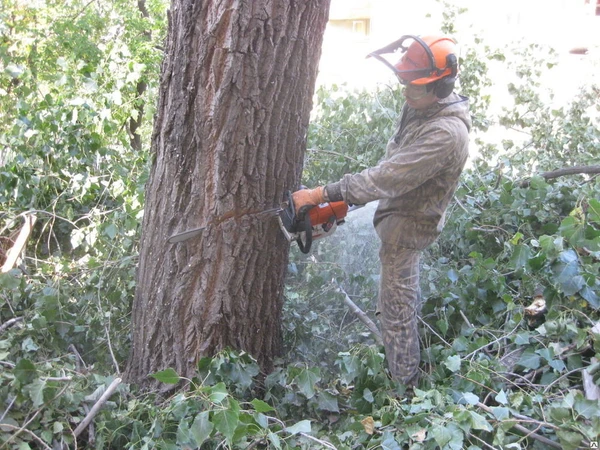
{"x":414,"y":184}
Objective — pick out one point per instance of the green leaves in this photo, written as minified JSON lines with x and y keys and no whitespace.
{"x":566,"y":271}
{"x":453,"y":363}
{"x":306,"y":381}
{"x":202,"y":428}
{"x":25,"y":371}
{"x":301,"y":427}
{"x":168,"y":376}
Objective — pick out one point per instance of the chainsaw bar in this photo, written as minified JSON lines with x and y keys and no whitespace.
{"x":189,"y":234}
{"x":180,"y":237}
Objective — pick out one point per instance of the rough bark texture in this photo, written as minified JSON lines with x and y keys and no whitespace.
{"x":229,"y":137}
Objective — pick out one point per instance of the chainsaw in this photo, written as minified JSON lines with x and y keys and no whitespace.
{"x":310,"y":224}
{"x":303,"y":227}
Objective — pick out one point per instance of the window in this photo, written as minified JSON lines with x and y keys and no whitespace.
{"x":353,"y":29}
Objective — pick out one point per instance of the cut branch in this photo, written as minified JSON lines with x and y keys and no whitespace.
{"x":96,"y":408}
{"x":360,"y":314}
{"x":13,"y":254}
{"x":10,"y":323}
{"x":575,"y":170}
{"x":527,"y":432}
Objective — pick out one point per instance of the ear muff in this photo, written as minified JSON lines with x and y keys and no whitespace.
{"x":444,"y":87}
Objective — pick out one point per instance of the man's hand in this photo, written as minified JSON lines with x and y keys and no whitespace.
{"x":304,"y":199}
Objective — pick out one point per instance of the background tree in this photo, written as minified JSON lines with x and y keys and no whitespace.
{"x":229,"y":138}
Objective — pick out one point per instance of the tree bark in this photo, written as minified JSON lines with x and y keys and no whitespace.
{"x":229,"y":138}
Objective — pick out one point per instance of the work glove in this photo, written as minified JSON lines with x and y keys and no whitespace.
{"x":304,"y":199}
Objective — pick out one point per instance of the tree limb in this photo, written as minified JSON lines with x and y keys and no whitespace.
{"x":527,"y":432}
{"x":588,"y":170}
{"x":13,"y":254}
{"x":96,"y":408}
{"x":29,"y":432}
{"x":9,"y":323}
{"x":575,"y":170}
{"x":360,"y":314}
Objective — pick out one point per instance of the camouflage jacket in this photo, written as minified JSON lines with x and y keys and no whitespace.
{"x":416,"y":180}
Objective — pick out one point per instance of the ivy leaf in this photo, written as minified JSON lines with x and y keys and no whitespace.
{"x":501,"y":397}
{"x":301,"y":427}
{"x":558,"y":365}
{"x":274,"y":439}
{"x":111,"y":231}
{"x":327,"y":402}
{"x":25,"y":371}
{"x":184,"y":436}
{"x":520,"y":256}
{"x":389,"y":442}
{"x":167,"y":376}
{"x":530,"y":360}
{"x":590,"y":296}
{"x":261,"y":406}
{"x":202,"y":427}
{"x":453,"y":275}
{"x":10,"y":281}
{"x":569,"y":440}
{"x":469,"y":398}
{"x":573,"y":229}
{"x":226,"y":421}
{"x":500,"y":412}
{"x":593,"y":210}
{"x":442,"y":324}
{"x":442,"y":435}
{"x":306,"y":381}
{"x":218,"y":393}
{"x":478,"y":422}
{"x":453,"y":363}
{"x":35,"y":390}
{"x":566,"y":271}
{"x":587,"y":408}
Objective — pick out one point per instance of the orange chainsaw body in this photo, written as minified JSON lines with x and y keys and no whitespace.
{"x":326,"y":216}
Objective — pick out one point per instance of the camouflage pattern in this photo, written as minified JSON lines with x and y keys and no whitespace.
{"x":398,"y":307}
{"x":414,"y":184}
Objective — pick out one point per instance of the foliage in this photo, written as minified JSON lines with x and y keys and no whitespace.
{"x":72,"y":75}
{"x":348,"y":130}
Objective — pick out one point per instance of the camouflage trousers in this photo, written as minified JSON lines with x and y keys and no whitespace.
{"x":398,"y":307}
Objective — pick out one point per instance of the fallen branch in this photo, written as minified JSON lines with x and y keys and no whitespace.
{"x":13,"y":253}
{"x":527,"y":432}
{"x":96,"y":408}
{"x":26,"y":431}
{"x":575,"y":170}
{"x":360,"y":314}
{"x":23,"y":429}
{"x":323,"y":443}
{"x":9,"y":323}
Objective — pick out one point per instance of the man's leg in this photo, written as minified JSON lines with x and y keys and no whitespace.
{"x":399,"y":305}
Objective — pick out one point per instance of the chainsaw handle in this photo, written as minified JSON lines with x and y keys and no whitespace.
{"x":307,"y":229}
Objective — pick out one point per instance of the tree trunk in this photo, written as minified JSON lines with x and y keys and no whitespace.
{"x":229,"y":138}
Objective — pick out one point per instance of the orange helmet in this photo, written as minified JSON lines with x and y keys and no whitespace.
{"x":424,"y":61}
{"x":427,"y":59}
